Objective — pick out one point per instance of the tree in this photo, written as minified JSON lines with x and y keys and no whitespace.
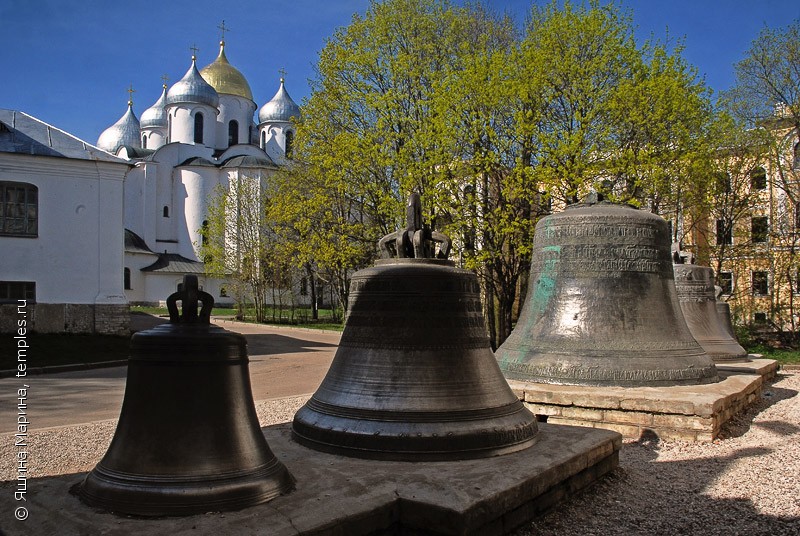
{"x":237,"y":244}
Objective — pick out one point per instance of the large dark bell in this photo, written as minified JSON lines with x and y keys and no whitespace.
{"x":414,"y":377}
{"x":697,"y":296}
{"x":601,"y":307}
{"x":188,"y":439}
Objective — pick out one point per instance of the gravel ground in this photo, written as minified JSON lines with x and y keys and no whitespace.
{"x":746,"y":482}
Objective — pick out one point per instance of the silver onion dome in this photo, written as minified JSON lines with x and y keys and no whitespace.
{"x":156,"y":115}
{"x":123,"y":132}
{"x":280,"y":108}
{"x":192,"y":88}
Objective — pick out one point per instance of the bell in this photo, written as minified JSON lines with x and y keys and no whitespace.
{"x":697,"y":296}
{"x":724,"y":312}
{"x":414,"y":377}
{"x":601,"y":306}
{"x":188,"y":439}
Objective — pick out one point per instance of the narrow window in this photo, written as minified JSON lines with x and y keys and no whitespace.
{"x":797,"y":156}
{"x":169,"y":127}
{"x":19,"y":209}
{"x":263,"y":139}
{"x":144,"y":141}
{"x":724,"y":232}
{"x":204,"y":232}
{"x":760,"y":318}
{"x":233,"y":133}
{"x":759,"y":228}
{"x":126,"y":278}
{"x":758,"y":179}
{"x":760,"y":284}
{"x":726,"y":282}
{"x":198,"y":127}
{"x":289,"y":143}
{"x":165,"y":213}
{"x":303,"y":286}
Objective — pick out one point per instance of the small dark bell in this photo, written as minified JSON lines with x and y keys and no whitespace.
{"x":188,"y":439}
{"x":601,"y":307}
{"x":414,"y":377}
{"x":697,"y":296}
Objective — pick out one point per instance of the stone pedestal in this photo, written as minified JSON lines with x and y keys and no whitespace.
{"x":689,"y":413}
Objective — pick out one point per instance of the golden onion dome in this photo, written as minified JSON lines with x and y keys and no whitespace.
{"x":226,"y":78}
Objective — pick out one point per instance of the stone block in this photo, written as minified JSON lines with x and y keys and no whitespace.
{"x":582,"y":414}
{"x":628,"y":417}
{"x":627,"y":430}
{"x":542,"y":409}
{"x":683,"y":422}
{"x":78,"y":318}
{"x":48,"y":318}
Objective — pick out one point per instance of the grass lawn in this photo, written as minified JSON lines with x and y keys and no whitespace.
{"x":783,"y":357}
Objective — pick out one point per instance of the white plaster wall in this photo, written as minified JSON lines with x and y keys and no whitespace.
{"x":77,"y":256}
{"x":232,"y":107}
{"x":275,"y":145}
{"x":195,"y":185}
{"x":182,"y":119}
{"x":156,"y":137}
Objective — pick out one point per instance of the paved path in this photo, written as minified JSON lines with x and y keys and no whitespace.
{"x":283,"y":362}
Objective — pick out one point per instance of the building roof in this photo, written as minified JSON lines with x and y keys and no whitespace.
{"x":173,"y":263}
{"x":280,"y":108}
{"x":226,"y":78}
{"x":124,"y":132}
{"x":249,"y":161}
{"x":135,"y":243}
{"x":24,"y":134}
{"x":156,"y":115}
{"x":192,"y":88}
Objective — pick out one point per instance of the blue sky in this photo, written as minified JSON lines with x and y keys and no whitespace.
{"x":70,"y":62}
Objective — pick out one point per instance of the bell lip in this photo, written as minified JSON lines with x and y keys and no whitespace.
{"x":170,"y":496}
{"x":403,"y":261}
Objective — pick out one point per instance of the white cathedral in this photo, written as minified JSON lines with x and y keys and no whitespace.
{"x":86,"y":230}
{"x":199,"y":136}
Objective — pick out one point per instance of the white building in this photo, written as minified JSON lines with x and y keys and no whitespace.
{"x":60,"y":230}
{"x":198,"y":137}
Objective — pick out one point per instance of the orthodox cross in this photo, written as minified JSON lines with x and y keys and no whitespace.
{"x":131,"y":91}
{"x":282,"y":72}
{"x":164,"y":78}
{"x":222,"y":30}
{"x":194,"y":50}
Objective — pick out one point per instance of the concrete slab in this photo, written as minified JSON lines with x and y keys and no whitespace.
{"x":689,"y":412}
{"x":336,"y":495}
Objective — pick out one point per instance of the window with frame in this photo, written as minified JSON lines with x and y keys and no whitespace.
{"x":724,"y":232}
{"x":126,"y":279}
{"x":233,"y":133}
{"x":19,"y":209}
{"x":759,"y":229}
{"x":760,"y":283}
{"x":13,"y":291}
{"x":725,"y":281}
{"x":289,"y":143}
{"x":760,"y":318}
{"x":144,"y":141}
{"x":758,"y":179}
{"x":198,"y":127}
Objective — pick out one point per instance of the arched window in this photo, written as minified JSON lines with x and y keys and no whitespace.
{"x":169,"y":127}
{"x":165,"y":213}
{"x":19,"y":209}
{"x":144,"y":141}
{"x":126,"y":278}
{"x":233,"y":133}
{"x":289,"y":143}
{"x":204,"y":232}
{"x":198,"y":127}
{"x":263,"y":139}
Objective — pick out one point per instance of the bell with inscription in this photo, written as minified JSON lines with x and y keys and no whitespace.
{"x":414,"y":377}
{"x":697,"y":296}
{"x":601,"y":307}
{"x":188,"y":439}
